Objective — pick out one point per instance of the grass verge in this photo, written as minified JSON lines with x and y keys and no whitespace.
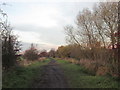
{"x":21,"y":77}
{"x":78,"y":77}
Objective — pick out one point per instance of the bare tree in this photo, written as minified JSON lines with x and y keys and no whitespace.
{"x":96,"y":28}
{"x":71,"y":35}
{"x":10,"y":44}
{"x":52,"y":53}
{"x":31,"y":53}
{"x":108,"y":15}
{"x":85,"y":23}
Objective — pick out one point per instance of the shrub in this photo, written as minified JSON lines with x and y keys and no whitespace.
{"x":31,"y":54}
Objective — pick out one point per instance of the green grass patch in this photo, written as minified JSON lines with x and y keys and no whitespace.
{"x":78,"y":77}
{"x":21,"y":77}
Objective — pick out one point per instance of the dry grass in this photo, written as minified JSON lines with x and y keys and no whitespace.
{"x":41,"y":58}
{"x":26,"y":62}
{"x":98,"y":67}
{"x":102,"y":70}
{"x":95,"y":66}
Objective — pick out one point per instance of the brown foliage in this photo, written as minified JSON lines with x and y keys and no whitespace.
{"x":31,"y":54}
{"x":90,"y":40}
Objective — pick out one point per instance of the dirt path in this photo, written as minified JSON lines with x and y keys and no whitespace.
{"x":52,"y":77}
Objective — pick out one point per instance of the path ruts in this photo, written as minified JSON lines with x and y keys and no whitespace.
{"x":52,"y":77}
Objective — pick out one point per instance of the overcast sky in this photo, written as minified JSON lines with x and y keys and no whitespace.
{"x":43,"y":23}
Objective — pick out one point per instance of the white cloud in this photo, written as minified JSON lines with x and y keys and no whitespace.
{"x":28,"y":37}
{"x":43,"y":23}
{"x":32,"y":37}
{"x":60,"y":0}
{"x":39,"y":16}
